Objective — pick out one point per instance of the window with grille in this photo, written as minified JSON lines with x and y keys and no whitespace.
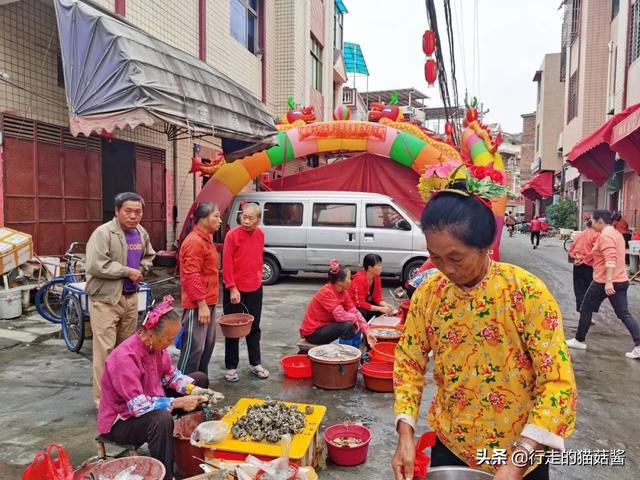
{"x":316,"y":65}
{"x":634,"y":32}
{"x":575,"y":18}
{"x":572,"y":104}
{"x":244,"y":23}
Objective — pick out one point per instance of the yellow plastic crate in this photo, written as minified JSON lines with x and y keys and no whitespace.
{"x":303,"y":444}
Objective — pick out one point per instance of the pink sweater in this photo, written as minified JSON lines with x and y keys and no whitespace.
{"x":609,"y":250}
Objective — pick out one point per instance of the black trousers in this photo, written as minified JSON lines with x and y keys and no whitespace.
{"x":594,"y":296}
{"x":253,"y":303}
{"x":441,"y":456}
{"x":198,"y":341}
{"x":367,"y":314}
{"x":331,"y":332}
{"x":582,"y":278}
{"x":154,"y":428}
{"x":536,"y":236}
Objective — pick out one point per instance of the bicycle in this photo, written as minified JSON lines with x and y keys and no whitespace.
{"x":48,"y":299}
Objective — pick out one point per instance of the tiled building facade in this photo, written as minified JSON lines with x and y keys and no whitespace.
{"x":272,"y":61}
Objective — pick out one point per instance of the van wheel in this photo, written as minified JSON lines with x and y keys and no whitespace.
{"x":410,"y":269}
{"x":270,"y":271}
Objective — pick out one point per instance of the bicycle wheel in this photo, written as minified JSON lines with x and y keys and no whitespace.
{"x":49,"y":300}
{"x":567,"y":244}
{"x":72,"y":322}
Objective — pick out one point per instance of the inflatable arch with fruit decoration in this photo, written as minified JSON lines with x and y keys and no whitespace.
{"x":402,"y":142}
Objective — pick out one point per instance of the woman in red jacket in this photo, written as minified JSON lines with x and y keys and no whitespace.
{"x":366,"y":289}
{"x":200,"y":284}
{"x":331,"y":313}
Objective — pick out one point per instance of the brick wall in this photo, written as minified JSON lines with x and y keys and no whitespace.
{"x":594,"y":75}
{"x":592,"y":45}
{"x":527,"y":150}
{"x":550,"y":113}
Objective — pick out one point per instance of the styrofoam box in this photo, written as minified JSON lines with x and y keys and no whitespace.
{"x":16,"y":248}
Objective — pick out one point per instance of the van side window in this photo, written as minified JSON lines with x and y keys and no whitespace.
{"x":383,"y":216}
{"x":334,"y":215}
{"x":282,"y":214}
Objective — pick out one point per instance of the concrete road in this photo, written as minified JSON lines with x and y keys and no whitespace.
{"x":45,"y":390}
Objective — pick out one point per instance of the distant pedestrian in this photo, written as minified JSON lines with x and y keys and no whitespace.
{"x":536,"y":227}
{"x":610,"y":280}
{"x":119,"y":253}
{"x":510,"y":222}
{"x":200,"y":286}
{"x":580,"y":252}
{"x":242,"y":260}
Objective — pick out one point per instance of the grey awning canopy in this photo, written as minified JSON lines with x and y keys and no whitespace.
{"x":118,"y":76}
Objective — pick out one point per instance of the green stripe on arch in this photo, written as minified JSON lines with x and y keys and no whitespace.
{"x":277,"y":153}
{"x":405,"y":149}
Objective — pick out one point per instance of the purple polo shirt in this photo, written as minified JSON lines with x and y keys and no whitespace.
{"x":134,"y":256}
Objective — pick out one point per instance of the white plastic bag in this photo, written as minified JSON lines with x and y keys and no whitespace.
{"x":126,"y":474}
{"x":209,"y":432}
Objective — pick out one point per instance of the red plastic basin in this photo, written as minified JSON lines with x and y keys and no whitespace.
{"x":383,"y":352}
{"x":347,"y":456}
{"x":378,"y":376}
{"x":296,"y":366}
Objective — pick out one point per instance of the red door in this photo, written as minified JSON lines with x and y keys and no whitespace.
{"x":52,"y":184}
{"x":150,"y":183}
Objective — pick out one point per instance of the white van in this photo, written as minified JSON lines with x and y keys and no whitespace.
{"x":305,"y":230}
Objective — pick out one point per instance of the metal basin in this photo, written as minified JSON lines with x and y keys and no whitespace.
{"x":456,"y":473}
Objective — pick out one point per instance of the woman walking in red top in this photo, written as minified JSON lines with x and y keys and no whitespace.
{"x":242,"y":259}
{"x":610,"y":280}
{"x":583,"y":265}
{"x":199,"y":278}
{"x":366,"y":288}
{"x":331,"y":313}
{"x":536,"y":226}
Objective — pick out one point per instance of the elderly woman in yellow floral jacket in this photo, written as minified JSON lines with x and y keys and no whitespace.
{"x":506,"y":390}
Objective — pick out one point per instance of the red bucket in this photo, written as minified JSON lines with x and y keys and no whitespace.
{"x":378,"y":376}
{"x":383,"y":352}
{"x":404,"y":309}
{"x":345,"y":455}
{"x":296,"y":366}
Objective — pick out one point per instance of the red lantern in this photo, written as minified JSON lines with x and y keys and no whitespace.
{"x":429,"y":42}
{"x":448,"y":129}
{"x":431,"y":71}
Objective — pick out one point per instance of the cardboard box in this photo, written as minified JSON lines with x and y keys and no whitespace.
{"x":16,"y":248}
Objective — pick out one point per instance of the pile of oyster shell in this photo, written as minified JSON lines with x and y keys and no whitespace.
{"x":269,"y":421}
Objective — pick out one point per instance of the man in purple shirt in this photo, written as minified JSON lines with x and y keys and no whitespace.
{"x":118,"y":254}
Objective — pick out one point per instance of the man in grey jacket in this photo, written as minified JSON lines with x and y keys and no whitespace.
{"x":119,"y":253}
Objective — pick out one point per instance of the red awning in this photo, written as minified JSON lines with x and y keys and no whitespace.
{"x":593,"y":156}
{"x":625,"y":139}
{"x":539,"y":187}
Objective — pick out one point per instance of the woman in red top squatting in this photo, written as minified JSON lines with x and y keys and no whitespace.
{"x":366,"y":289}
{"x":331,"y":313}
{"x":242,"y":274}
{"x":200,"y":285}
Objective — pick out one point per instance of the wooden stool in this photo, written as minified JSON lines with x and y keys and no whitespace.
{"x":304,"y":346}
{"x":127,"y":450}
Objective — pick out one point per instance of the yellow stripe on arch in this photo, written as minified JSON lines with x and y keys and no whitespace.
{"x":234,"y":176}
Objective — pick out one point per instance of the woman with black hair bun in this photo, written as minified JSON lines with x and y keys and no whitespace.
{"x":331,"y":314}
{"x":366,"y":288}
{"x":504,"y":377}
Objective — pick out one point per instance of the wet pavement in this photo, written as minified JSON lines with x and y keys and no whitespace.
{"x":46,"y":391}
